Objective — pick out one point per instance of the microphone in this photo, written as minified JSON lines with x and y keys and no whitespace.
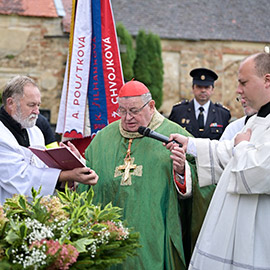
{"x":145,"y":131}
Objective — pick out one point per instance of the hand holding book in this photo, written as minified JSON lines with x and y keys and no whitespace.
{"x":60,"y":158}
{"x":67,"y":159}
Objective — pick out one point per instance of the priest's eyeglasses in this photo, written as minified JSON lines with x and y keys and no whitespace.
{"x":132,"y":111}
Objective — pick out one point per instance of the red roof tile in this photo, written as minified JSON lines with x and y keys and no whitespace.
{"x":36,"y":8}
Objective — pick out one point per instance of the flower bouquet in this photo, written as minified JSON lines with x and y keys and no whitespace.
{"x":62,"y":232}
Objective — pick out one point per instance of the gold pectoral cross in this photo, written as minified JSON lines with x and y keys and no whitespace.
{"x":126,"y":170}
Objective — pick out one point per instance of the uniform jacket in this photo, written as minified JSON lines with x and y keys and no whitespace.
{"x":217,"y":119}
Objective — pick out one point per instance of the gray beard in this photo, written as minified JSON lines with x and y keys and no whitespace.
{"x":28,"y":122}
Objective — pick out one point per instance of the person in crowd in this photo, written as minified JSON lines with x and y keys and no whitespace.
{"x":200,"y":116}
{"x":234,"y":127}
{"x":136,"y":174}
{"x":235,"y":232}
{"x":20,"y":169}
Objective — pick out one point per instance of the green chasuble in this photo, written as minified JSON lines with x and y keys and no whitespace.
{"x":144,"y":188}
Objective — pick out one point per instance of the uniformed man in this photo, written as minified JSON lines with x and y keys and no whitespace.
{"x":200,"y":116}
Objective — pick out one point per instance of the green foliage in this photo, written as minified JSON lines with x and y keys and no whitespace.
{"x":148,"y":65}
{"x":9,"y":56}
{"x":156,"y":68}
{"x":141,"y":64}
{"x":68,"y":226}
{"x":127,"y":51}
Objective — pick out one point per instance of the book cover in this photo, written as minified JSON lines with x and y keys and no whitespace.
{"x":60,"y":158}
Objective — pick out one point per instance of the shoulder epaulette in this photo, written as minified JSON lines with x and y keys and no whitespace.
{"x":182,"y":102}
{"x":222,"y":106}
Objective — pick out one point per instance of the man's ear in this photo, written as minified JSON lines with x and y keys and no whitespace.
{"x":152,"y":104}
{"x":10,"y":104}
{"x":10,"y":101}
{"x":267,"y":80}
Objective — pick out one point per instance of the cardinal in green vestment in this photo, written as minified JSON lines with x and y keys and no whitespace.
{"x":137,"y":174}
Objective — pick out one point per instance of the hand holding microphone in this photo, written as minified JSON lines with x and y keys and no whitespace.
{"x":145,"y":131}
{"x":177,"y":152}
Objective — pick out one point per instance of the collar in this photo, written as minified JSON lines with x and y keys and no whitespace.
{"x":205,"y":106}
{"x":264,"y":110}
{"x":155,"y":122}
{"x":4,"y":115}
{"x":14,"y":127}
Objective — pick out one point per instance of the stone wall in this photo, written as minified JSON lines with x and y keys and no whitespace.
{"x":37,"y":47}
{"x":180,"y":57}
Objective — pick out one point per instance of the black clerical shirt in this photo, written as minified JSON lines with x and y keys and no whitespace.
{"x":264,"y":110}
{"x":14,"y":127}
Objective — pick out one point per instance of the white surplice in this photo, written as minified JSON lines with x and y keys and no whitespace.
{"x":233,"y":128}
{"x":236,"y":230}
{"x":20,"y":169}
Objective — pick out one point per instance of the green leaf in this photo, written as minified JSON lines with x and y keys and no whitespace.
{"x":35,"y":193}
{"x":77,"y":212}
{"x":81,"y":244}
{"x":76,"y":231}
{"x":12,"y":237}
{"x":97,"y":227}
{"x":11,"y":204}
{"x":23,"y":231}
{"x":63,"y":197}
{"x":22,"y":202}
{"x":89,"y":196}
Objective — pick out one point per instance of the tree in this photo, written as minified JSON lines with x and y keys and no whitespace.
{"x":148,"y":65}
{"x":127,"y":52}
{"x":155,"y":68}
{"x":141,"y":64}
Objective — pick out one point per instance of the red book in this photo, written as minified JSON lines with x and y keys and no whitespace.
{"x":60,"y":158}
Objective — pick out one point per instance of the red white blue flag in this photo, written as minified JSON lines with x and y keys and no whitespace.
{"x":93,"y":74}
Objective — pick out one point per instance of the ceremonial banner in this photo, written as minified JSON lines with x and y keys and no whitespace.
{"x":94,"y":76}
{"x":78,"y":72}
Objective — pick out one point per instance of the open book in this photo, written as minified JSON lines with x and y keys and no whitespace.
{"x":61,"y":157}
